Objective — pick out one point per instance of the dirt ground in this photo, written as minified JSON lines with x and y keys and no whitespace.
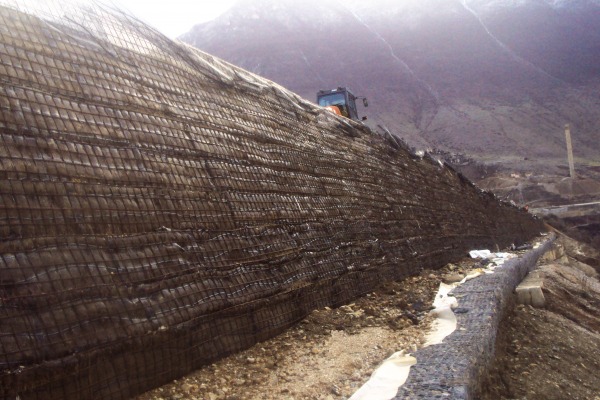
{"x":550,"y":353}
{"x":330,"y":354}
{"x":554,"y":352}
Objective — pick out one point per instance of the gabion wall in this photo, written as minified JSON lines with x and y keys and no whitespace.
{"x":160,"y":208}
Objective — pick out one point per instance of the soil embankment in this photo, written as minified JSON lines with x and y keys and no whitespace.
{"x":161,"y":209}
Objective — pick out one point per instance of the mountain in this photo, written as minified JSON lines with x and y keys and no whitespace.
{"x":494,"y":79}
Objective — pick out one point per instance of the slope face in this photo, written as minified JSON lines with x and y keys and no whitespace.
{"x":160,"y":208}
{"x":494,"y":79}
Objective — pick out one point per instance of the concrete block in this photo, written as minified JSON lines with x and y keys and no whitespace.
{"x":529,"y":292}
{"x":556,"y":252}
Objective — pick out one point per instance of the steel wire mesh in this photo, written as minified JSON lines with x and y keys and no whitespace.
{"x":160,"y":208}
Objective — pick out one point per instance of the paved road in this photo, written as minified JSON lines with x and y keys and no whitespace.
{"x":574,"y":209}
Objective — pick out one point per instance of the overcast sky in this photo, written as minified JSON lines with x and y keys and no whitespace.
{"x":175,"y":17}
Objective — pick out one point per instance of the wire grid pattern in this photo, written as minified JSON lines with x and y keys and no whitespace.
{"x":160,"y":208}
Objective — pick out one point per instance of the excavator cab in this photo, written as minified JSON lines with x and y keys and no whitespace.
{"x":341,"y":101}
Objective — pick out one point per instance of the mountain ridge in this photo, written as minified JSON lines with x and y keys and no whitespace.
{"x":486,"y":78}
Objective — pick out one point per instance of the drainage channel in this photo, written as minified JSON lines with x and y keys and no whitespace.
{"x":453,"y":369}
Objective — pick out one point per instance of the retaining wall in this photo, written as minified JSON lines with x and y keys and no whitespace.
{"x":454,"y":368}
{"x":160,"y":208}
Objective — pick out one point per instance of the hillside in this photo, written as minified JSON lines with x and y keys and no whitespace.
{"x":495,"y":80}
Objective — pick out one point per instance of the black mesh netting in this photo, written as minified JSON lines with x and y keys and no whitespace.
{"x":160,"y":208}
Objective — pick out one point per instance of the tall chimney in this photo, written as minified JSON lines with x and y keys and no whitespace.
{"x":570,"y":150}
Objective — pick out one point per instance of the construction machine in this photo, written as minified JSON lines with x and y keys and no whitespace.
{"x":341,"y":101}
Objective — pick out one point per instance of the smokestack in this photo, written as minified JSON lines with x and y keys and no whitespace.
{"x":570,"y":150}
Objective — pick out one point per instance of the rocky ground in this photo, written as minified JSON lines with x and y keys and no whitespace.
{"x":551,"y":353}
{"x":330,"y":354}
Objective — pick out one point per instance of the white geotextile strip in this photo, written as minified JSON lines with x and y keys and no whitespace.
{"x":387,"y":378}
{"x":393,"y":372}
{"x":445,"y":319}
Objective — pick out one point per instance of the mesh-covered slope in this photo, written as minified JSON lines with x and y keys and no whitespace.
{"x":160,"y":208}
